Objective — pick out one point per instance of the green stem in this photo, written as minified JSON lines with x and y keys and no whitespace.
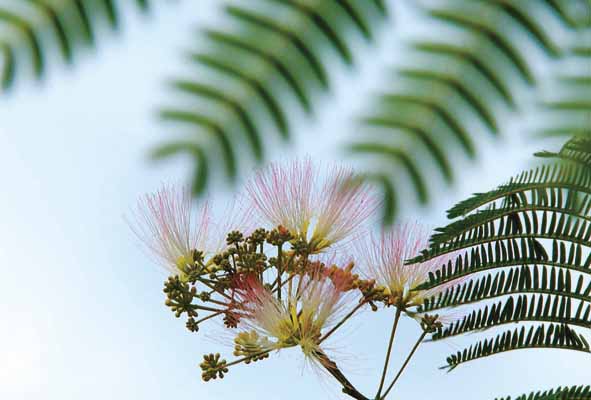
{"x":412,"y":352}
{"x":389,"y":352}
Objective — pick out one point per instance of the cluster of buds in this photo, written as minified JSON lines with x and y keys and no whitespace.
{"x":431,"y":323}
{"x":252,"y":346}
{"x":179,"y":297}
{"x":213,"y":367}
{"x":231,"y":319}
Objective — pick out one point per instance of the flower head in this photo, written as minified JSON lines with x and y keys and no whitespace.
{"x":384,"y":256}
{"x":283,"y":195}
{"x":345,"y":203}
{"x":299,"y":318}
{"x":320,"y":211}
{"x":164,"y":222}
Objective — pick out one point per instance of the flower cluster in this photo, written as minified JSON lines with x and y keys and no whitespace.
{"x":270,"y":270}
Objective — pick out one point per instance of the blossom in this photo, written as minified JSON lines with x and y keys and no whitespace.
{"x":384,"y":257}
{"x":346,"y":202}
{"x":319,"y":211}
{"x":165,"y":224}
{"x":299,"y":318}
{"x":283,"y":195}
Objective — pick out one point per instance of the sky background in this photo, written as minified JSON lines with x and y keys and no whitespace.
{"x":81,"y":306}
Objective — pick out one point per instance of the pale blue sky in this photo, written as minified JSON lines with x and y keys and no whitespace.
{"x":81,"y":307}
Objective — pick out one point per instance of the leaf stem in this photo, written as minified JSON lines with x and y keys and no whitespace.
{"x":389,"y":352}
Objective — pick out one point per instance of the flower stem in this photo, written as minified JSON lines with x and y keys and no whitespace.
{"x":219,"y":303}
{"x":279,"y":271}
{"x":332,"y":369}
{"x":238,"y":361}
{"x":205,"y":308}
{"x":412,"y":352}
{"x":216,"y":290}
{"x":215,"y":314}
{"x":337,"y":326}
{"x":389,"y":352}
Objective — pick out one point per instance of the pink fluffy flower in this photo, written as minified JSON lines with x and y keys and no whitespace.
{"x":345,"y":203}
{"x":299,"y":318}
{"x":165,"y":223}
{"x":384,"y":257}
{"x":284,"y":195}
{"x":320,"y":210}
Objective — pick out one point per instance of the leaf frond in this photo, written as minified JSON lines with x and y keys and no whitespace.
{"x":517,"y":309}
{"x":551,"y":336}
{"x":560,"y":393}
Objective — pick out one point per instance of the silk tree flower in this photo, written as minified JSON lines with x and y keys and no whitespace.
{"x":346,"y":202}
{"x":165,"y":223}
{"x":236,"y":216}
{"x":384,"y":257}
{"x":299,"y":318}
{"x":320,"y":211}
{"x":284,"y":195}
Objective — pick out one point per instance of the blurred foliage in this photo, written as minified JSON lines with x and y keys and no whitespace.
{"x":275,"y":54}
{"x":568,"y":110}
{"x":32,"y":29}
{"x":272,"y":60}
{"x":466,"y":77}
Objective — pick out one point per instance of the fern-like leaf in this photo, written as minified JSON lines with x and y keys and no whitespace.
{"x":520,"y":309}
{"x":526,"y":246}
{"x":518,"y":280}
{"x":552,"y":336}
{"x":560,"y":393}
